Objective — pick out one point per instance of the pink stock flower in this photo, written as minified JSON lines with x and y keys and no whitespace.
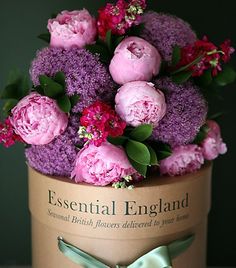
{"x":38,"y":120}
{"x":99,"y":121}
{"x":210,"y":56}
{"x":120,"y":17}
{"x":213,"y":145}
{"x":72,"y":28}
{"x":184,"y":159}
{"x":134,"y":60}
{"x":101,"y":165}
{"x":7,"y":134}
{"x":227,"y":49}
{"x":140,"y":103}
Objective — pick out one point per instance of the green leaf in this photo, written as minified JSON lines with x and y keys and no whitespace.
{"x":9,"y":104}
{"x":51,"y":88}
{"x":142,"y":132}
{"x":39,"y":89}
{"x":163,"y":154}
{"x":181,"y":77}
{"x":74,"y":100}
{"x":118,"y":40}
{"x":186,"y":67}
{"x":101,"y":50}
{"x":109,"y":40}
{"x":117,"y":140}
{"x":18,"y":89}
{"x":227,"y":76}
{"x":136,"y":30}
{"x":153,"y":155}
{"x":138,"y":152}
{"x":142,"y":169}
{"x":64,"y":103}
{"x":201,"y":134}
{"x":176,"y":55}
{"x":60,"y":78}
{"x":205,"y":79}
{"x":10,"y":92}
{"x":45,"y":37}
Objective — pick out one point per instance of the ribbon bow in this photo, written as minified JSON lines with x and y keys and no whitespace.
{"x":159,"y":257}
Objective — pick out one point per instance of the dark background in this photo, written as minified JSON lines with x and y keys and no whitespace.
{"x":21,"y":21}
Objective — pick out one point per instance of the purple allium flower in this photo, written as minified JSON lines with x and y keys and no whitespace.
{"x":85,"y":74}
{"x":186,"y":112}
{"x":57,"y":158}
{"x":165,"y":31}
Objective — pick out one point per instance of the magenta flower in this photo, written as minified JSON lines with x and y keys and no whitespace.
{"x":72,"y":28}
{"x":213,"y":144}
{"x":7,"y":134}
{"x":184,"y":159}
{"x":38,"y":120}
{"x":134,"y":60}
{"x":119,"y":17}
{"x":99,"y":121}
{"x":140,"y":103}
{"x":101,"y":165}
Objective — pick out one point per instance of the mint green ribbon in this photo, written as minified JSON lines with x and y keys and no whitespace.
{"x":157,"y":258}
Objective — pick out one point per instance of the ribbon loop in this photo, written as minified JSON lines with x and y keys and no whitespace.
{"x":159,"y":257}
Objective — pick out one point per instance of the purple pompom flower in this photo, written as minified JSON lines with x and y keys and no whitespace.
{"x":166,"y":31}
{"x":186,"y":113}
{"x":85,"y":74}
{"x":56,"y":158}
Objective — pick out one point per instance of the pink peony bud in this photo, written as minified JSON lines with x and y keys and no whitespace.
{"x":38,"y":120}
{"x":101,"y":165}
{"x":134,"y":60}
{"x":184,"y":159}
{"x":72,"y":28}
{"x":140,"y":103}
{"x":213,"y":144}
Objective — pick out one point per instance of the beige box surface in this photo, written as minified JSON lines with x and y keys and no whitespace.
{"x":117,"y":226}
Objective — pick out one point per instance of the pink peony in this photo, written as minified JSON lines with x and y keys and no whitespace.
{"x":72,"y":28}
{"x":38,"y":120}
{"x":101,"y":165}
{"x":184,"y":159}
{"x":140,"y":103}
{"x":213,"y":144}
{"x":134,"y":60}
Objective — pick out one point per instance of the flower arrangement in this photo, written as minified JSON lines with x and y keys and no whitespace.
{"x":116,"y":97}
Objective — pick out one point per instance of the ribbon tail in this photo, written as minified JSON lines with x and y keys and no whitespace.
{"x":157,"y":258}
{"x":179,"y":246}
{"x":78,"y":256}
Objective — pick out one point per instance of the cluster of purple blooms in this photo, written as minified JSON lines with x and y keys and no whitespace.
{"x":88,"y":77}
{"x":130,"y":95}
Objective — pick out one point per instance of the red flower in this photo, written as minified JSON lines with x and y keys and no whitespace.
{"x":120,"y":17}
{"x":99,"y":121}
{"x":204,"y":55}
{"x":7,"y":134}
{"x":227,"y":50}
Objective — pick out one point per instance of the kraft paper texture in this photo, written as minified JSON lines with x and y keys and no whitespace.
{"x":119,"y":225}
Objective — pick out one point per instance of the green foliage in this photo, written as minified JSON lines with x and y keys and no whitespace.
{"x":17,"y":88}
{"x":201,"y":134}
{"x":182,"y":77}
{"x":140,"y":152}
{"x":227,"y":76}
{"x":142,"y":132}
{"x":176,"y":55}
{"x":56,"y":88}
{"x":45,"y":37}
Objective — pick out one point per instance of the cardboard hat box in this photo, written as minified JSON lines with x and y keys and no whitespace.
{"x":117,"y":226}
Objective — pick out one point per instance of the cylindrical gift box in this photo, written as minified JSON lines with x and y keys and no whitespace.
{"x":117,"y":226}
